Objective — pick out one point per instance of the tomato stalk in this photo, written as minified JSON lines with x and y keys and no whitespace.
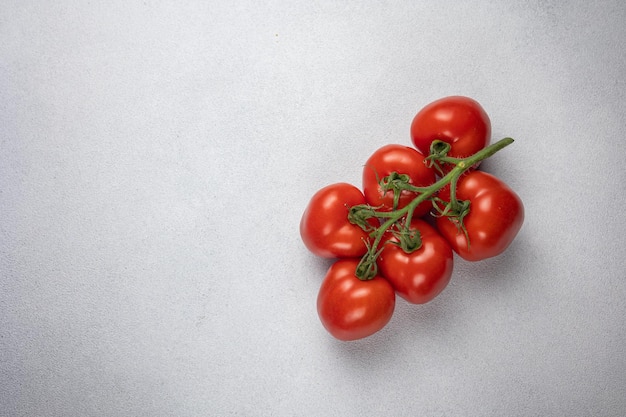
{"x":409,"y":240}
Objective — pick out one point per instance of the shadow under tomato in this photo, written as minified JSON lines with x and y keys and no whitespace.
{"x":507,"y":269}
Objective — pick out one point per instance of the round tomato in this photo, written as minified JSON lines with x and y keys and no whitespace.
{"x":352,"y":309}
{"x":325,"y":228}
{"x":421,"y":275}
{"x":495,"y":216}
{"x":457,"y":120}
{"x":402,"y":160}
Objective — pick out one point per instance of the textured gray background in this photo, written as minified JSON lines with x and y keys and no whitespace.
{"x":155,"y":158}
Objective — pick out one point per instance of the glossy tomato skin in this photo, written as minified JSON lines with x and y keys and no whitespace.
{"x":325,"y":228}
{"x":352,"y":309}
{"x":421,"y":275}
{"x":496,"y":215}
{"x":460,"y":121}
{"x":400,"y":159}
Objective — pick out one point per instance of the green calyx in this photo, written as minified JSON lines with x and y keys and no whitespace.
{"x":398,"y":221}
{"x":409,"y":240}
{"x":394,"y":182}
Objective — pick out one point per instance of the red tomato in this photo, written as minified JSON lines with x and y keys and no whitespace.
{"x":352,"y":309}
{"x":457,"y":120}
{"x":421,"y":275}
{"x":495,"y":216}
{"x":325,"y":228}
{"x":400,"y":159}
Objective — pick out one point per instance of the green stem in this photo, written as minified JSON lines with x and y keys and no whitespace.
{"x":409,"y":217}
{"x":424,"y":193}
{"x":454,"y":204}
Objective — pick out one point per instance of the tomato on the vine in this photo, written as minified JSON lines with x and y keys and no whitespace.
{"x":421,"y":275}
{"x":457,"y":120}
{"x":325,"y":228}
{"x":495,"y":216}
{"x":385,"y":245}
{"x":350,"y":308}
{"x":401,"y":160}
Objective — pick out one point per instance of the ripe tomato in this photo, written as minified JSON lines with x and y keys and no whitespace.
{"x":400,"y":159}
{"x":325,"y":228}
{"x":352,"y":309}
{"x":421,"y":275}
{"x":495,"y":216}
{"x":457,"y":120}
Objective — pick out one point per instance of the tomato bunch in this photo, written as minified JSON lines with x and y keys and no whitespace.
{"x":417,"y":208}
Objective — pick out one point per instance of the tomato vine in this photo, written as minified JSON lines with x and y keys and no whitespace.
{"x":381,"y":235}
{"x":401,"y":218}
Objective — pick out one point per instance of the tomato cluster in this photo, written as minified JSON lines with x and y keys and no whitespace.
{"x":417,"y":207}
